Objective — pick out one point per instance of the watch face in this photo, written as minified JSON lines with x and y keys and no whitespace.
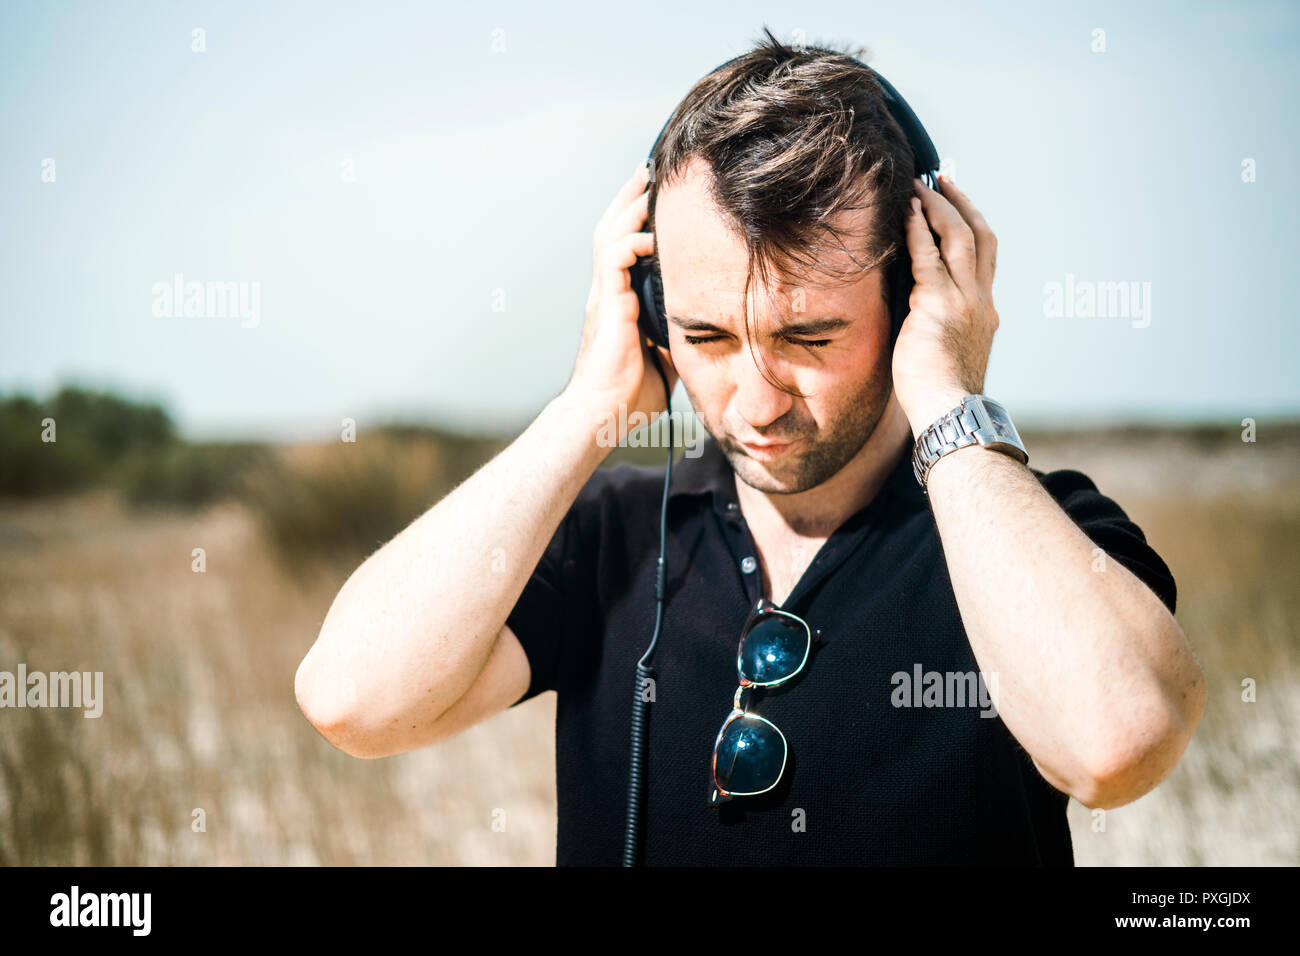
{"x":999,"y":422}
{"x":1004,"y":430}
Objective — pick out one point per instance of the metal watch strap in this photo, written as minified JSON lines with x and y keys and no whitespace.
{"x":978,"y":420}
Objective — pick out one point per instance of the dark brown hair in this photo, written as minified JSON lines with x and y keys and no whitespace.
{"x":794,"y":136}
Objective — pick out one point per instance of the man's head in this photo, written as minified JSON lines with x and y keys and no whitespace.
{"x":780,"y":190}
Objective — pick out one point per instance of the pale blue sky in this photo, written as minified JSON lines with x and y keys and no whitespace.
{"x":477,"y":171}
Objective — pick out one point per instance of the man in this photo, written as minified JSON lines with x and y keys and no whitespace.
{"x":538,"y":572}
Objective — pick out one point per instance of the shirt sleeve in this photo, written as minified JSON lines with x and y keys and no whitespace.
{"x":1102,"y":520}
{"x":555,"y":610}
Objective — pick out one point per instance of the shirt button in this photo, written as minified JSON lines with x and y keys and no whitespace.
{"x":731,"y":506}
{"x":748,"y":565}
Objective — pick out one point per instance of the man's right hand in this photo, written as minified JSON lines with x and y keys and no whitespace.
{"x":415,"y":647}
{"x":614,"y":366}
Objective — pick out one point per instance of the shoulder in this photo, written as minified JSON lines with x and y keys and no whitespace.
{"x":1078,"y":494}
{"x":1066,"y":483}
{"x":623,"y":484}
{"x":618,"y":497}
{"x":1110,"y":528}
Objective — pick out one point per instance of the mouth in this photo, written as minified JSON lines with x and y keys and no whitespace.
{"x":768,"y":451}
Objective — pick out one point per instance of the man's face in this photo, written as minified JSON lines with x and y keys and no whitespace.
{"x":831,"y":342}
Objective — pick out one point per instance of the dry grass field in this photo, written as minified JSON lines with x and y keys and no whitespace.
{"x":200,"y":714}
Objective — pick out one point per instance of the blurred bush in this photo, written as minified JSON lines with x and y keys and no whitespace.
{"x":94,"y":433}
{"x":188,"y":474}
{"x":345,"y":499}
{"x":331,"y":500}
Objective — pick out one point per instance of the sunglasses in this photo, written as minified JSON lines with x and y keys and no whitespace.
{"x":750,"y":752}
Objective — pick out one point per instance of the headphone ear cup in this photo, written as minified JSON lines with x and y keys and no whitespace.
{"x":660,"y":310}
{"x":649,"y":289}
{"x":900,"y":283}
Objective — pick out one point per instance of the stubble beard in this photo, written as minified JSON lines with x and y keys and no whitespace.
{"x":822,"y":452}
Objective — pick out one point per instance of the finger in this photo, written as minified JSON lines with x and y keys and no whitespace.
{"x":632,"y":217}
{"x":956,"y":241}
{"x":612,"y":273}
{"x":627,"y":192}
{"x":927,"y":266}
{"x":607,"y":229}
{"x":986,"y":243}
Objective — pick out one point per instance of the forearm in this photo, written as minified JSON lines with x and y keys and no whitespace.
{"x":414,"y":624}
{"x":1094,"y":676}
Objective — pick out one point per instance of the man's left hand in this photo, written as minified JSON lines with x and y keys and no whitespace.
{"x":943,"y":346}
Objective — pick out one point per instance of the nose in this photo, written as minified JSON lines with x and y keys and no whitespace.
{"x":757,"y":400}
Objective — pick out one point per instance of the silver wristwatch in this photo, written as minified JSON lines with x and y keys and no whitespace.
{"x":976,"y":421}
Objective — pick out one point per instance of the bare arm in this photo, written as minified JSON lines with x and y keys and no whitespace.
{"x":1095,"y":677}
{"x":414,"y":647}
{"x":414,"y":625}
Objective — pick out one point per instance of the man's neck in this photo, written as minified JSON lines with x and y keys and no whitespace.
{"x":817,"y":512}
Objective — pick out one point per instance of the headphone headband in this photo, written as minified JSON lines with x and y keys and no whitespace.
{"x":648,"y":284}
{"x":926,"y":156}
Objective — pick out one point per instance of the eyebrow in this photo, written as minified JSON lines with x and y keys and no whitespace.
{"x":803,"y":327}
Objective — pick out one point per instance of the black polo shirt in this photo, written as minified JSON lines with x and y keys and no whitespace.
{"x":868,"y":781}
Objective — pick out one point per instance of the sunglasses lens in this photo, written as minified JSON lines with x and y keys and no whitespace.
{"x":773,"y":649}
{"x":751,"y":756}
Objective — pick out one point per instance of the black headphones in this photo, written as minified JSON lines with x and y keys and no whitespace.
{"x":653,"y":321}
{"x":649,"y":285}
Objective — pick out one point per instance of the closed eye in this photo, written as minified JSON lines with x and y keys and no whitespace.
{"x":811,"y":343}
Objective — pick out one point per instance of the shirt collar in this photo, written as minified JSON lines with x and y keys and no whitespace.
{"x":709,"y":473}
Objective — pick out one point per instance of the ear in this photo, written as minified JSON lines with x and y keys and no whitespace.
{"x":666,"y":358}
